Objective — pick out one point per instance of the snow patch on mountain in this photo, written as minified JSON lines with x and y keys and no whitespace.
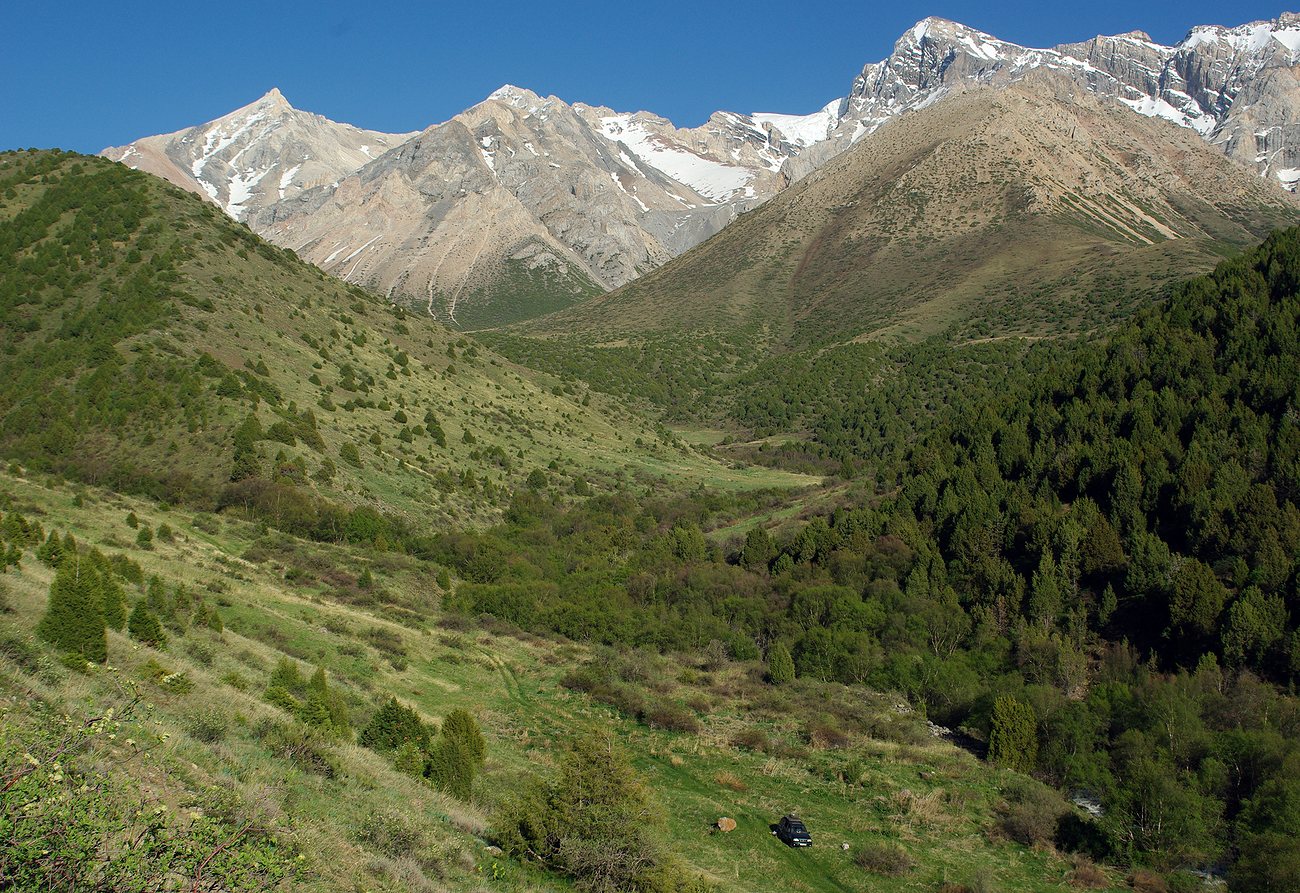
{"x":804,"y":130}
{"x":1155,"y":107}
{"x":714,"y":180}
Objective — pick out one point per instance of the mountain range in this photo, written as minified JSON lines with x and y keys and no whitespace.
{"x":523,"y":205}
{"x":1031,"y":210}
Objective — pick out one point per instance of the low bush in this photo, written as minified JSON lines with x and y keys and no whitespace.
{"x":672,"y":717}
{"x":885,"y":859}
{"x":752,"y":739}
{"x":392,"y":833}
{"x":208,"y":726}
{"x":300,"y":745}
{"x":1031,"y":812}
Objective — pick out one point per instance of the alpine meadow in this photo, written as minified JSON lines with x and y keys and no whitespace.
{"x":899,"y":497}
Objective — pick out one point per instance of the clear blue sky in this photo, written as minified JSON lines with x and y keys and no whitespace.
{"x":85,"y":74}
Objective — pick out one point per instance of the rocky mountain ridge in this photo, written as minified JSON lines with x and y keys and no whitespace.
{"x":524,"y":204}
{"x":1032,"y":210}
{"x":256,"y":155}
{"x":1235,"y":86}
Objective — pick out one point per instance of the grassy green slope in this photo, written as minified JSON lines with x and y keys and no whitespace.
{"x":883,"y":778}
{"x":142,"y":329}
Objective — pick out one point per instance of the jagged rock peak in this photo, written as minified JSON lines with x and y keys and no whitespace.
{"x":273,"y":98}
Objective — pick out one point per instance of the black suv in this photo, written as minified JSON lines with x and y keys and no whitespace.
{"x":792,"y":831}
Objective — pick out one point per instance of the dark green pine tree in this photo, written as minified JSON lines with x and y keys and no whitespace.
{"x":759,"y":550}
{"x":392,"y":726}
{"x":74,"y":621}
{"x":144,"y":626}
{"x":114,"y":602}
{"x":780,"y":666}
{"x":450,"y":768}
{"x":51,"y":552}
{"x":1013,"y":740}
{"x":461,"y":727}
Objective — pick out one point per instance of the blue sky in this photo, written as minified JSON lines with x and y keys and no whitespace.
{"x":96,"y":74}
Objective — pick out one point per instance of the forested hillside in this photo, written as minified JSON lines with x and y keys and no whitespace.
{"x":1090,"y":565}
{"x":149,"y":344}
{"x":398,"y":596}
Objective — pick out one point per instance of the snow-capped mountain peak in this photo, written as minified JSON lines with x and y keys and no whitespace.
{"x":1231,"y":85}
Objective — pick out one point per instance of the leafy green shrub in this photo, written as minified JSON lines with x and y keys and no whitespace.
{"x":178,"y":683}
{"x":392,"y":833}
{"x":85,"y":829}
{"x":207,"y":523}
{"x":409,"y":759}
{"x":26,"y":654}
{"x":594,"y":823}
{"x":237,"y":680}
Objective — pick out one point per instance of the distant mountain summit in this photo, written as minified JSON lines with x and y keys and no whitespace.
{"x":1236,"y":87}
{"x":256,"y":155}
{"x":522,"y":205}
{"x":1036,"y":209}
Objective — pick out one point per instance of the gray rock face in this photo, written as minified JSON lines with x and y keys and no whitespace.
{"x":577,"y":194}
{"x":1235,"y":86}
{"x":257,"y":155}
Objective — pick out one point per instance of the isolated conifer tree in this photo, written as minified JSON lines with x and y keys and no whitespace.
{"x":287,"y":676}
{"x":113,"y":600}
{"x":450,"y":768}
{"x":780,"y":666}
{"x":393,"y":725}
{"x":156,"y":596}
{"x":313,"y":712}
{"x":759,"y":550}
{"x":1013,"y":740}
{"x":51,"y":552}
{"x":74,"y":620}
{"x":213,"y":621}
{"x":144,"y":626}
{"x":460,"y":726}
{"x":318,"y":682}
